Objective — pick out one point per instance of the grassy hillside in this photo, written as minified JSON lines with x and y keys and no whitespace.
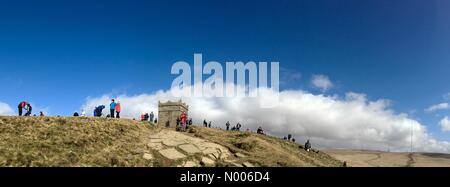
{"x":53,"y":141}
{"x":78,"y":142}
{"x":267,"y":151}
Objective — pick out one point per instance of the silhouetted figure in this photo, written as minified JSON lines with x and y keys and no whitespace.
{"x":205,"y":124}
{"x":152,"y":116}
{"x":21,"y":106}
{"x":29,"y":109}
{"x":209,"y":125}
{"x":260,"y":130}
{"x":307,"y":146}
{"x":228,"y":125}
{"x":76,"y":114}
{"x":238,"y":127}
{"x":289,"y":137}
{"x":167,"y":124}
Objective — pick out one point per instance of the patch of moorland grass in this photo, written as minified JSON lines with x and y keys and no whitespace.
{"x":265,"y":150}
{"x":52,"y":141}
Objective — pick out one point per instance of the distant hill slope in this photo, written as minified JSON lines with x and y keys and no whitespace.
{"x":365,"y":158}
{"x":73,"y":142}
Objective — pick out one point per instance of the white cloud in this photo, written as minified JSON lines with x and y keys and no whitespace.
{"x":445,"y":124}
{"x":5,"y":109}
{"x":329,"y":121}
{"x":440,"y":106}
{"x":322,"y":82}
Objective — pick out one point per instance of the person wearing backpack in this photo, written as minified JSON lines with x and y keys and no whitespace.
{"x":29,"y":109}
{"x":21,"y":106}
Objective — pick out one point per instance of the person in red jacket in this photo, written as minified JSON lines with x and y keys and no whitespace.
{"x":21,"y":106}
{"x":118,"y":109}
{"x":183,"y":118}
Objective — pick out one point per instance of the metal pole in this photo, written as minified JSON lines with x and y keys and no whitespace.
{"x":412,"y":134}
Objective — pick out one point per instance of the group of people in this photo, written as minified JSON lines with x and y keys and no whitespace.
{"x":235,"y":128}
{"x":289,"y":138}
{"x":206,"y":124}
{"x":24,"y":105}
{"x":114,"y":108}
{"x":148,"y":117}
{"x":27,"y":106}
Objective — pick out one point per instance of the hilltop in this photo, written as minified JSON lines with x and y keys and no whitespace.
{"x":82,"y":141}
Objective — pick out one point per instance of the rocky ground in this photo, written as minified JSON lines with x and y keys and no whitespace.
{"x":191,"y":150}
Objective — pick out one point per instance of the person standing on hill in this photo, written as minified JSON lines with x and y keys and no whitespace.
{"x":152,"y":116}
{"x":21,"y":106}
{"x":118,"y":109}
{"x":29,"y":109}
{"x":228,"y":125}
{"x":205,"y":124}
{"x":112,"y":108}
{"x":183,"y":121}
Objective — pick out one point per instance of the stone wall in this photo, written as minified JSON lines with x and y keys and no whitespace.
{"x":170,"y":111}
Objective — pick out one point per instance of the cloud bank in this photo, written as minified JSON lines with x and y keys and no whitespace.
{"x":5,"y":109}
{"x":445,"y":124}
{"x":351,"y":121}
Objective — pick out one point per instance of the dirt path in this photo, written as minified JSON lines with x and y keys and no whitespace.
{"x":411,"y":160}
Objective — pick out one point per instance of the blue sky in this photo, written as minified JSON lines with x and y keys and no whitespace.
{"x":58,"y":53}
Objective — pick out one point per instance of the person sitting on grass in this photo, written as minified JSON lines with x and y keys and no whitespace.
{"x":307,"y":146}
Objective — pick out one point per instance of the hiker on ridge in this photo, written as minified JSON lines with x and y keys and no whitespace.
{"x":21,"y":107}
{"x":98,"y":110}
{"x":29,"y":109}
{"x":118,"y":109}
{"x":228,"y":125}
{"x":209,"y":125}
{"x":238,"y":127}
{"x":152,"y":116}
{"x":41,"y":114}
{"x":260,"y":130}
{"x":307,"y":146}
{"x":205,"y":124}
{"x":112,"y":107}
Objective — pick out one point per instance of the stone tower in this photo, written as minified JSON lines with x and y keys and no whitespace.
{"x":170,"y":111}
